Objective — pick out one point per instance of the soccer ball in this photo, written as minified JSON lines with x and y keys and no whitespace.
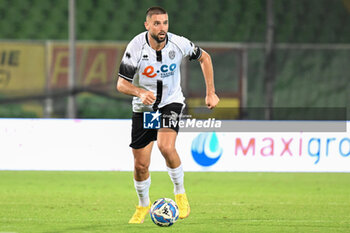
{"x":164,"y":212}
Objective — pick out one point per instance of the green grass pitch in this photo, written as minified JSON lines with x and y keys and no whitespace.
{"x":64,"y":202}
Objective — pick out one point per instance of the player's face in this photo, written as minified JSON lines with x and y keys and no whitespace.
{"x":158,"y":25}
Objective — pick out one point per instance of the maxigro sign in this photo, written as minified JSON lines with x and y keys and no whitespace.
{"x":269,"y":151}
{"x":315,"y":147}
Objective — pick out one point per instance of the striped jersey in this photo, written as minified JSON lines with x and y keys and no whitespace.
{"x":157,"y":71}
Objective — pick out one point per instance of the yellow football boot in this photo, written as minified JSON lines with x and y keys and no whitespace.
{"x":184,"y":206}
{"x":140,"y":214}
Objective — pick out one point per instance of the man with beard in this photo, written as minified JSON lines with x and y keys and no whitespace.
{"x":150,"y":71}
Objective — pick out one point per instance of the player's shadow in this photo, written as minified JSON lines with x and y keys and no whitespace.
{"x":89,"y":228}
{"x":100,"y":227}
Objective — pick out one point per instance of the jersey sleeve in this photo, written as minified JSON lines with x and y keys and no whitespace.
{"x":190,"y":50}
{"x":129,"y":63}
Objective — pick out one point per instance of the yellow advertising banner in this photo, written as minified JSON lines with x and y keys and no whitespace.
{"x":96,"y":64}
{"x":22,"y":67}
{"x":22,"y":73}
{"x":28,"y":68}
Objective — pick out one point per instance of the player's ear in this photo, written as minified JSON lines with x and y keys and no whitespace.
{"x":146,"y":25}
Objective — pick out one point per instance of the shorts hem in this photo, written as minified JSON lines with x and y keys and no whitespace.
{"x":143,"y":145}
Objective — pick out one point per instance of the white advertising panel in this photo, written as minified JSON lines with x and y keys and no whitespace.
{"x":56,"y":144}
{"x":52,"y":144}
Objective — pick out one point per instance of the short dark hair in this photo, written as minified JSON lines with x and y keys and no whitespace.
{"x":155,"y":10}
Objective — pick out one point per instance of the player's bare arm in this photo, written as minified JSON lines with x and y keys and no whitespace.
{"x":126,"y":87}
{"x":211,"y":99}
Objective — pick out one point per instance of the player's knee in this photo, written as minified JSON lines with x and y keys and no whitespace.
{"x":166,"y":148}
{"x":141,"y":168}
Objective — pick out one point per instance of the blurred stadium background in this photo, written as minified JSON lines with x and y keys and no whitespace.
{"x":310,"y":48}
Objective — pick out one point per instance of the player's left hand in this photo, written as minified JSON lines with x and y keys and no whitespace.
{"x":211,"y":100}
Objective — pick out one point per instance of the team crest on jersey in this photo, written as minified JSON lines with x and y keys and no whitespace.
{"x":171,"y":54}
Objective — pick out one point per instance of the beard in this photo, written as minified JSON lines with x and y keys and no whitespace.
{"x":156,"y":37}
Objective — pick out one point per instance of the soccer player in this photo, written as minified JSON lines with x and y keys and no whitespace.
{"x":150,"y":71}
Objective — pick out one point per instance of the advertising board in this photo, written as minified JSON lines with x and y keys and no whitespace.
{"x":60,"y":144}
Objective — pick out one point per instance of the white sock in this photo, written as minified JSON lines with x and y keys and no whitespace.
{"x":142,"y":190}
{"x":177,"y":177}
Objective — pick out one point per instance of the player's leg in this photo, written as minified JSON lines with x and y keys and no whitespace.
{"x":166,"y":143}
{"x":166,"y":136}
{"x":142,"y":178}
{"x":142,"y":182}
{"x":166,"y":139}
{"x":141,"y":144}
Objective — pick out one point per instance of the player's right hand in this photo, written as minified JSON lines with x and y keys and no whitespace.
{"x":147,"y":97}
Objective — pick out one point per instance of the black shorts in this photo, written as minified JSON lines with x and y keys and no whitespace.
{"x":141,"y":137}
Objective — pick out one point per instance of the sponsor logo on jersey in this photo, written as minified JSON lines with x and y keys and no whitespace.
{"x":145,"y":57}
{"x":164,"y":71}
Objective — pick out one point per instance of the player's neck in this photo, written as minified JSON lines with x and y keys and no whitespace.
{"x":155,"y":45}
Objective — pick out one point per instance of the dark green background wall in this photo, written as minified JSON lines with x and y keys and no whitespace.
{"x":306,"y":21}
{"x":304,"y":78}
